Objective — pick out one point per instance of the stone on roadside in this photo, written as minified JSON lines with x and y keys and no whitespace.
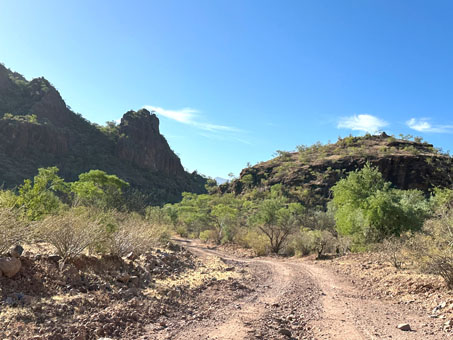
{"x":16,"y":251}
{"x":10,"y":266}
{"x":285,"y":332}
{"x":404,"y":327}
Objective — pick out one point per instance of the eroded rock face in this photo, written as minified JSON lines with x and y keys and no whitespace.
{"x":142,"y":144}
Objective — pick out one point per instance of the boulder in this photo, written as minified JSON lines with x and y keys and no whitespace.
{"x":10,"y":266}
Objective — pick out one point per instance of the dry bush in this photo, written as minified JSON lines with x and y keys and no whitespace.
{"x":393,"y":250}
{"x":432,"y":250}
{"x":12,"y":230}
{"x":318,"y":241}
{"x":71,"y":232}
{"x":136,"y":235}
{"x":302,"y":244}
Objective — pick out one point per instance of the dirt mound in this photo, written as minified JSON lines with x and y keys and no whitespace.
{"x":88,"y":298}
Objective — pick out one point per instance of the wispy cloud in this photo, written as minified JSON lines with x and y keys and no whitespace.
{"x":363,"y":122}
{"x":422,"y":125}
{"x":191,"y":117}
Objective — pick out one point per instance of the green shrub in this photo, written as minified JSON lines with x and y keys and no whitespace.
{"x":208,"y":236}
{"x":368,"y":210}
{"x":181,"y":230}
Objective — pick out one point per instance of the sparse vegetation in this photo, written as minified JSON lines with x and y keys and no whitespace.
{"x":12,"y":230}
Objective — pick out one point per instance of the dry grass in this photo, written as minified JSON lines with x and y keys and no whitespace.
{"x":212,"y":268}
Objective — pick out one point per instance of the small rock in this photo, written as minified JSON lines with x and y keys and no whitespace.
{"x":16,"y":251}
{"x":124,"y":278}
{"x":10,"y":266}
{"x":404,"y":327}
{"x":54,"y":258}
{"x":173,"y":247}
{"x":134,"y":280}
{"x":131,"y":256}
{"x":285,"y":332}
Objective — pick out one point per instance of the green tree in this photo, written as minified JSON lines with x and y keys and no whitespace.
{"x":97,"y":188}
{"x":39,"y":197}
{"x":369,"y":210}
{"x":224,"y":218}
{"x":277,"y":219}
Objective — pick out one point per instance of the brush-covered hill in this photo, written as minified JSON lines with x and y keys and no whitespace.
{"x":38,"y":129}
{"x":308,"y":174}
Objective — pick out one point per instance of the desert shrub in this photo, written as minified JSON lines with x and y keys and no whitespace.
{"x":432,"y":249}
{"x":12,"y":230}
{"x":208,"y":235}
{"x":71,"y":232}
{"x":254,"y":240}
{"x":323,"y":242}
{"x":393,"y":250}
{"x":442,"y":199}
{"x":343,"y":244}
{"x":7,"y":199}
{"x":135,"y":235}
{"x":314,"y":241}
{"x":318,"y":220}
{"x":302,"y":244}
{"x":157,"y":215}
{"x":181,"y":230}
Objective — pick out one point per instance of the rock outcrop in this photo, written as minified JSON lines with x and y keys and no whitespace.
{"x":140,"y":130}
{"x":308,"y":175}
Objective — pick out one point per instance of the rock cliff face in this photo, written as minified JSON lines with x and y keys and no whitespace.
{"x":37,"y":129}
{"x":141,"y":144}
{"x":308,"y":175}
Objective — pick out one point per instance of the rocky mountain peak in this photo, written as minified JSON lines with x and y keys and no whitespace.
{"x":141,"y":143}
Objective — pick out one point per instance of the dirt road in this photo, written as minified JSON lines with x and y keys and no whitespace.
{"x":297,"y":299}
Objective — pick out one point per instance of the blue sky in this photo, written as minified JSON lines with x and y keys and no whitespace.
{"x":234,"y":81}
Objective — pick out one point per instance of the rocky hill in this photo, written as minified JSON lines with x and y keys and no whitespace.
{"x":38,"y":129}
{"x":308,"y":174}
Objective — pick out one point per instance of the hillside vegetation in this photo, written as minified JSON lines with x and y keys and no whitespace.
{"x":308,"y":174}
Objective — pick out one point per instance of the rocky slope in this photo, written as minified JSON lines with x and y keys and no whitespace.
{"x":308,"y":174}
{"x":37,"y":129}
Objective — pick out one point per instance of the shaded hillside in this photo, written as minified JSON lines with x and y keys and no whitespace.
{"x":37,"y":129}
{"x":308,"y":174}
